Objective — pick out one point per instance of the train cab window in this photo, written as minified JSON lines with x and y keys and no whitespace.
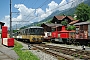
{"x":22,"y":32}
{"x":77,"y":28}
{"x":26,"y":31}
{"x":37,"y":31}
{"x":53,"y":29}
{"x":29,"y":31}
{"x":81,"y":27}
{"x":32,"y":31}
{"x":40,"y":31}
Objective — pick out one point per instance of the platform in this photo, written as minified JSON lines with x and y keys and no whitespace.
{"x":6,"y":53}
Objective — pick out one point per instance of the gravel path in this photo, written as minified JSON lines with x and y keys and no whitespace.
{"x":41,"y":55}
{"x":7,"y":53}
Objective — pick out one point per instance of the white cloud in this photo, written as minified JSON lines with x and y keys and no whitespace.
{"x":39,"y":11}
{"x":49,"y":10}
{"x":29,"y":14}
{"x":43,"y":14}
{"x":63,"y":5}
{"x":6,"y":20}
{"x":24,"y":11}
{"x":51,"y":6}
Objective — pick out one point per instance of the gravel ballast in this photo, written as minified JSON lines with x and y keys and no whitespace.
{"x":41,"y":55}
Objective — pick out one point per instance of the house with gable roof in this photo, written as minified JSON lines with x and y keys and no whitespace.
{"x":56,"y":22}
{"x":59,"y":19}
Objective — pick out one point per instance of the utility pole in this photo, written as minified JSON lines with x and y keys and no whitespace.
{"x":16,"y":26}
{"x":10,"y":18}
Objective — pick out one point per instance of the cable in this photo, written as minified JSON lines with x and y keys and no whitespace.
{"x":58,"y":7}
{"x":38,"y":7}
{"x":31,"y":12}
{"x":34,"y":3}
{"x":43,"y":4}
{"x":22,"y":1}
{"x":52,"y":9}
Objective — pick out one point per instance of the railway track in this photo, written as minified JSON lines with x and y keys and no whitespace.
{"x":47,"y":50}
{"x":63,"y":52}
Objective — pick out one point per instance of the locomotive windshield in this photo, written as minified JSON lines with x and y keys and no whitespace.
{"x":53,"y":29}
{"x":36,"y":31}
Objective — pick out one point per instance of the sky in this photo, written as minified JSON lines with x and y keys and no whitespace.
{"x":30,"y":10}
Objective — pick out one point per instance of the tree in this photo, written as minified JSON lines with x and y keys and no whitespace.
{"x":23,"y":27}
{"x":71,"y":27}
{"x":64,"y":23}
{"x":83,"y":12}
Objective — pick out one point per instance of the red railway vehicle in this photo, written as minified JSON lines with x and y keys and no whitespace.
{"x":82,"y":34}
{"x":62,"y":35}
{"x":48,"y":29}
{"x":55,"y":34}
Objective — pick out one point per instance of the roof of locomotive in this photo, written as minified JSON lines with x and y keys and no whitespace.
{"x":82,"y":23}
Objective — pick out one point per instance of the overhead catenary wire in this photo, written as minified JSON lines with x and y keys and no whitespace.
{"x":22,"y":1}
{"x":45,"y":12}
{"x":27,"y":17}
{"x":56,"y":8}
{"x":34,"y":3}
{"x":32,"y":7}
{"x":33,"y":17}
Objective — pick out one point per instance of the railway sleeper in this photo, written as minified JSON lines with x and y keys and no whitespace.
{"x":75,"y":53}
{"x":53,"y":53}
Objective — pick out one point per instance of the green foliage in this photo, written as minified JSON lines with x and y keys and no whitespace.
{"x":83,"y":12}
{"x":71,"y":27}
{"x":64,"y":23}
{"x":49,"y":21}
{"x":24,"y":55}
{"x":23,"y":27}
{"x":38,"y":24}
{"x":15,"y":31}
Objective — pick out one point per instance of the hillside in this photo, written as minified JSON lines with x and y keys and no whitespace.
{"x":69,"y":12}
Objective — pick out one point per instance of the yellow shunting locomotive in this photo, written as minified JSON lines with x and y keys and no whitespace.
{"x":31,"y":34}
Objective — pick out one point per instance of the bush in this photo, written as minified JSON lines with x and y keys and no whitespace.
{"x":64,"y":23}
{"x":71,"y":27}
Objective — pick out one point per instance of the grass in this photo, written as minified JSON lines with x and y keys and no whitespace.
{"x":24,"y":55}
{"x":80,"y":57}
